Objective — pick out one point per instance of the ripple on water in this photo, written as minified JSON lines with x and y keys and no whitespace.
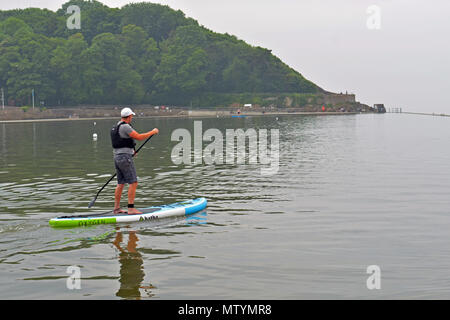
{"x":346,"y":195}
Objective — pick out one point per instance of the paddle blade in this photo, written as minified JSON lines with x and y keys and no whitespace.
{"x":92,"y":202}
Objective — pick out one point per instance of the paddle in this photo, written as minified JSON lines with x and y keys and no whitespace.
{"x":95,"y":198}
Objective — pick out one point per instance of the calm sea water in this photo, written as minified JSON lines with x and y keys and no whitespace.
{"x":351,"y":191}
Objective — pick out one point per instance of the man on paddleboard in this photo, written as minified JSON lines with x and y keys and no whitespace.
{"x":122,"y":138}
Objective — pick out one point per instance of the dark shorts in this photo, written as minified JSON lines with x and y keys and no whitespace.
{"x":126,"y":172}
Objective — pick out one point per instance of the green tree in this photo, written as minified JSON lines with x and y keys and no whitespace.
{"x":66,"y":63}
{"x":12,"y":25}
{"x":157,"y":20}
{"x":142,"y":52}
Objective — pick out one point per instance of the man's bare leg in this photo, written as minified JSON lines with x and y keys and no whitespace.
{"x":131,"y":195}
{"x":117,"y":197}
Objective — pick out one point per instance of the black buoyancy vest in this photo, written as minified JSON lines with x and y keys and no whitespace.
{"x":118,"y":141}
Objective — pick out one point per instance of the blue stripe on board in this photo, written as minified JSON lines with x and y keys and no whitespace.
{"x":197,"y":207}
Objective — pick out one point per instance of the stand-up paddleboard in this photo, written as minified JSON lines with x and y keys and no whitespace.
{"x":151,"y":213}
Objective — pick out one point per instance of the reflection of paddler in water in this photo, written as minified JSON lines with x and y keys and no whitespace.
{"x":131,"y":267}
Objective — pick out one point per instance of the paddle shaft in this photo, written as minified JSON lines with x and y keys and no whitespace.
{"x":101,"y":189}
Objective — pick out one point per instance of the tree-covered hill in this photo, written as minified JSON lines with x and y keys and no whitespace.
{"x":142,"y":53}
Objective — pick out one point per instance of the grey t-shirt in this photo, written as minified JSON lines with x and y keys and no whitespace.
{"x":124,"y":132}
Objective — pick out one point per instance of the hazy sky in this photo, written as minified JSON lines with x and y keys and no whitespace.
{"x":405,"y":63}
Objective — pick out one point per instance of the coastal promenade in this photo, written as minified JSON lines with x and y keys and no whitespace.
{"x":175,"y":113}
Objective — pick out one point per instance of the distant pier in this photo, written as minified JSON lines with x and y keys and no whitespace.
{"x":399,"y":110}
{"x":429,"y":114}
